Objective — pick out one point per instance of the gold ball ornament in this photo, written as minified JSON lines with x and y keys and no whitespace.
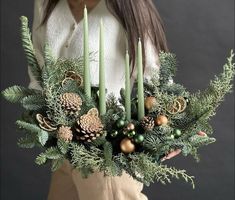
{"x":161,"y":120}
{"x":150,"y":102}
{"x":127,"y":146}
{"x":130,"y":127}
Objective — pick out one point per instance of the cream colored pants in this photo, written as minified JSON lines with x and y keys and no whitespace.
{"x":67,"y":184}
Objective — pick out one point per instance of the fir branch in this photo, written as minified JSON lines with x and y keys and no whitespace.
{"x":205,"y":103}
{"x":198,"y":140}
{"x":41,"y":159}
{"x":41,"y":135}
{"x":57,"y":163}
{"x":33,"y":102}
{"x":63,"y":146}
{"x":53,"y":153}
{"x":28,"y":141}
{"x":49,"y":59}
{"x":83,"y":158}
{"x":29,"y":49}
{"x":168,"y":65}
{"x":16,"y":93}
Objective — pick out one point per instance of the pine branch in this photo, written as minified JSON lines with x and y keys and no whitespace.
{"x":28,"y":141}
{"x":41,"y":135}
{"x":16,"y":93}
{"x":83,"y":158}
{"x":63,"y":146}
{"x":29,"y":49}
{"x":33,"y":102}
{"x":168,"y":64}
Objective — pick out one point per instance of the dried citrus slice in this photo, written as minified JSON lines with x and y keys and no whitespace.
{"x":182,"y":102}
{"x":174,"y":108}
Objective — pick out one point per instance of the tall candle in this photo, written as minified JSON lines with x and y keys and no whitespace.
{"x":127,"y":88}
{"x":140,"y":82}
{"x":102,"y":102}
{"x":87,"y":82}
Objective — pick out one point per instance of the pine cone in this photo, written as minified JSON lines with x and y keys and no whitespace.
{"x":65,"y":133}
{"x":147,"y":123}
{"x":89,"y":126}
{"x":71,"y":102}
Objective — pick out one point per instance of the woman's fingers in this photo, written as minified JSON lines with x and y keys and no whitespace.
{"x":171,"y":155}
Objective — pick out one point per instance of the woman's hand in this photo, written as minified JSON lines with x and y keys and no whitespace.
{"x":171,"y":155}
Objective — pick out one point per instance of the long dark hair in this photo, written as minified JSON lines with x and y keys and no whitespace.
{"x":139,"y":18}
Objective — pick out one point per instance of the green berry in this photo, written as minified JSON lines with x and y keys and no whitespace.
{"x":120,"y":123}
{"x":139,"y":139}
{"x":177,"y":132}
{"x":114,"y":134}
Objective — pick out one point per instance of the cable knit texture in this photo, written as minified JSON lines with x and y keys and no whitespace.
{"x":65,"y":37}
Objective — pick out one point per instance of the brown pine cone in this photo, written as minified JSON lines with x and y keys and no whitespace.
{"x":65,"y":133}
{"x":71,"y":102}
{"x":89,"y":126}
{"x":147,"y":123}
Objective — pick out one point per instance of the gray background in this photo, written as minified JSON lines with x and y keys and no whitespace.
{"x":201,"y":33}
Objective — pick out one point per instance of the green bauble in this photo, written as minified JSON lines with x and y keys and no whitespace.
{"x":171,"y":137}
{"x":114,"y":134}
{"x":139,"y":139}
{"x":177,"y":133}
{"x":131,"y":134}
{"x":120,"y":123}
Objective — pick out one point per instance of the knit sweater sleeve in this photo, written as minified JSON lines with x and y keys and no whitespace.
{"x":37,"y":42}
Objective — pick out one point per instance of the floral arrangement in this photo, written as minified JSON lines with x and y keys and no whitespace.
{"x":69,"y":119}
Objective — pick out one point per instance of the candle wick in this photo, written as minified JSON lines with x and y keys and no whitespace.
{"x":139,"y":39}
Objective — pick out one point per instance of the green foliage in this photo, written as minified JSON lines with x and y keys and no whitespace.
{"x":168,"y":65}
{"x":143,"y":168}
{"x":28,"y":141}
{"x":33,"y":102}
{"x":84,"y":158}
{"x":29,"y":49}
{"x":16,"y":93}
{"x":40,"y":135}
{"x":198,"y":141}
{"x":63,"y":146}
{"x":104,"y":154}
{"x":53,"y":154}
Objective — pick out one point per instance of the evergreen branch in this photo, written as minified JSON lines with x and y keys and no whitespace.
{"x":63,"y":146}
{"x":33,"y":102}
{"x":168,"y":64}
{"x":28,"y":141}
{"x":57,"y":163}
{"x":16,"y":93}
{"x":83,"y":158}
{"x":41,"y":159}
{"x":41,"y":135}
{"x":29,"y":49}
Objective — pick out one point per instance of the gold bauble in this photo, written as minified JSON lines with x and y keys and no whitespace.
{"x":150,"y":102}
{"x":161,"y":120}
{"x":127,"y":146}
{"x":130,"y":127}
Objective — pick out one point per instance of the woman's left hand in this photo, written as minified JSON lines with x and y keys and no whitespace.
{"x":171,"y":155}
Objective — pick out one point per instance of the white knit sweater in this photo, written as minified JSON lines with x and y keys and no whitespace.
{"x":65,"y":37}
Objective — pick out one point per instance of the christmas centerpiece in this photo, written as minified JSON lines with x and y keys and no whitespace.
{"x":70,"y":119}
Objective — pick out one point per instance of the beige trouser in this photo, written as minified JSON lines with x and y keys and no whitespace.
{"x":67,"y":184}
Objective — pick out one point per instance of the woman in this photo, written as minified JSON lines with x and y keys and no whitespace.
{"x":59,"y":23}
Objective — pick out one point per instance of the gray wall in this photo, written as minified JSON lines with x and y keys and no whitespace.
{"x":201,"y":33}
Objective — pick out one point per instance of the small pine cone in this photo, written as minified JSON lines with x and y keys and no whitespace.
{"x":147,"y":123}
{"x":65,"y":133}
{"x":89,"y":127}
{"x":71,"y":102}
